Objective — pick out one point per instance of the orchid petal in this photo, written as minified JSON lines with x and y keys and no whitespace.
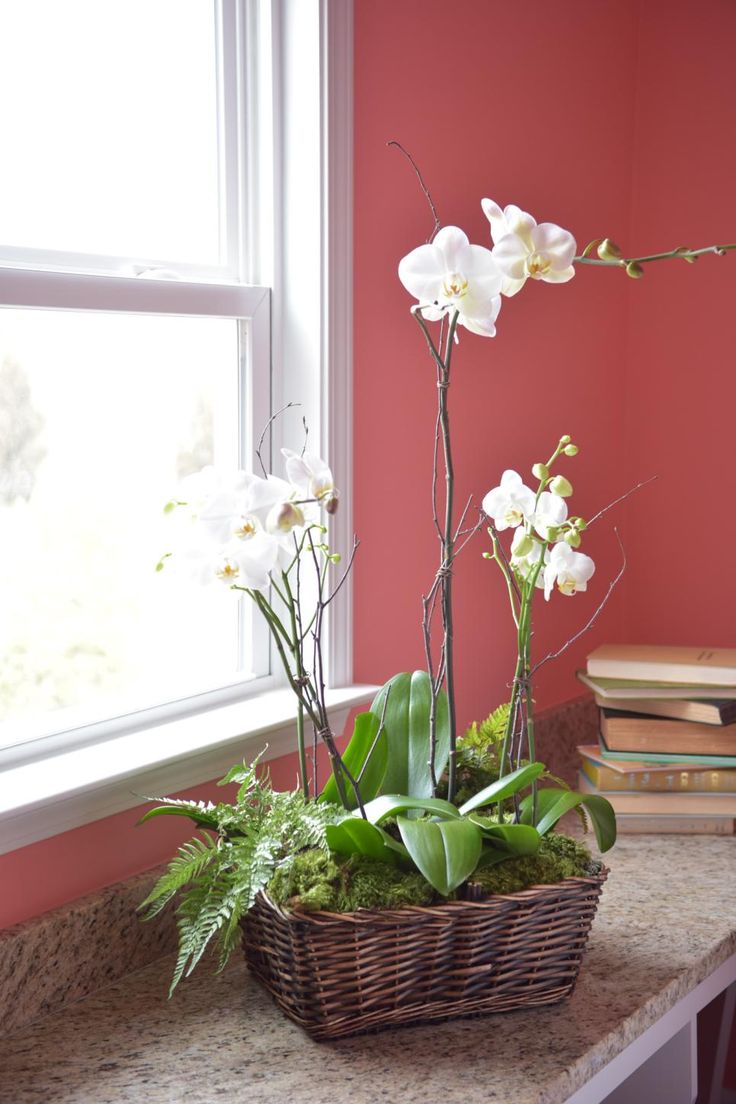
{"x":496,"y":217}
{"x":510,"y":255}
{"x":511,"y":287}
{"x":422,"y":272}
{"x":557,"y":244}
{"x":520,"y":223}
{"x":453,"y":243}
{"x":558,"y":275}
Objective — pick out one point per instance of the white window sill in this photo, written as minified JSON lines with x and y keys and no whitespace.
{"x":73,"y":788}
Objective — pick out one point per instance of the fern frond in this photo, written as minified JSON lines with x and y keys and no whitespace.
{"x":191,"y":860}
{"x":201,"y":812}
{"x":204,"y":909}
{"x":217,"y":879}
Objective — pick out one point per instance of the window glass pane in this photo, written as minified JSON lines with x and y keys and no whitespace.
{"x":108,"y":127}
{"x":100,"y":416}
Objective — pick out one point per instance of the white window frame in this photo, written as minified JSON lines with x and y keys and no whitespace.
{"x":295,"y":107}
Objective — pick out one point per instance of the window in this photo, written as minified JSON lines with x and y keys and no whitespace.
{"x":172,"y":188}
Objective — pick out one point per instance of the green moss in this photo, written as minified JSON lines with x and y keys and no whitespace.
{"x":559,"y":857}
{"x":313,"y":880}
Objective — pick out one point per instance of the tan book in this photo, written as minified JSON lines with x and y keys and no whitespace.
{"x":715,"y":712}
{"x":627,"y":689}
{"x":606,"y":779}
{"x":632,"y":732}
{"x":667,"y":804}
{"x":664,"y":662}
{"x":631,"y":824}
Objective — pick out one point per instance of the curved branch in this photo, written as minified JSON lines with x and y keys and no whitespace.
{"x":611,"y":587}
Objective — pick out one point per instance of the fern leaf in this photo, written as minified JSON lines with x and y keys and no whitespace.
{"x":191,"y":860}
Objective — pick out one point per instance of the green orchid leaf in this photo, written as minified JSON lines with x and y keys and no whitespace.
{"x":546,"y":799}
{"x":390,"y":805}
{"x":445,"y":852}
{"x":513,"y":839}
{"x":504,"y":787}
{"x":407,"y":726}
{"x":355,"y":836}
{"x":364,"y":754}
{"x":492,"y":856}
{"x":552,"y":804}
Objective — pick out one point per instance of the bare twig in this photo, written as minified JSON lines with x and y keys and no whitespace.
{"x":422,"y":185}
{"x":469,"y":533}
{"x":378,"y":735}
{"x":339,"y":769}
{"x":611,"y":587}
{"x":463,"y":516}
{"x":346,"y":572}
{"x":643,"y":483}
{"x":266,"y":428}
{"x":435,"y":454}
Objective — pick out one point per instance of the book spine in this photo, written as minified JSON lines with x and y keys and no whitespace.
{"x":630,"y":824}
{"x":674,"y":781}
{"x":714,"y":761}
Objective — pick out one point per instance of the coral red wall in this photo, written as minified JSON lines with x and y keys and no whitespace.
{"x":681,"y":385}
{"x":518,"y":102}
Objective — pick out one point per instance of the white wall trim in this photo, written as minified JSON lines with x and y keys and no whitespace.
{"x":337,"y":294}
{"x":73,"y":788}
{"x":312,"y":259}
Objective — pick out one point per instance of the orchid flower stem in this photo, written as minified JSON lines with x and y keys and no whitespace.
{"x":270,"y":617}
{"x":299,"y":664}
{"x":507,"y":577}
{"x":673,"y":254}
{"x":448,"y":549}
{"x":446,"y":533}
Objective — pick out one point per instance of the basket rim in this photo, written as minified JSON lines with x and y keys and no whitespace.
{"x":360,"y":916}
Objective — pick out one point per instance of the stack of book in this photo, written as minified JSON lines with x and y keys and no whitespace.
{"x":666,"y":757}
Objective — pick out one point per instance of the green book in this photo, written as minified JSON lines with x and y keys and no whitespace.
{"x":713,"y":761}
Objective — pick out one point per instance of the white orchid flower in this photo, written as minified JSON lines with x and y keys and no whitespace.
{"x":569,"y":570}
{"x":234,"y":563}
{"x":551,"y":511}
{"x":510,"y":503}
{"x":311,"y":477}
{"x":523,"y":249}
{"x":525,"y":563}
{"x":211,"y":497}
{"x":450,"y":274}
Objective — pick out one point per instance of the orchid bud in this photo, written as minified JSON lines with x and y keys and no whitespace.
{"x":284,"y":517}
{"x":540,"y":471}
{"x":553,"y":532}
{"x":487,"y":555}
{"x":524,"y":546}
{"x":334,"y":557}
{"x":634,"y":270}
{"x":561,"y":486}
{"x":609,"y":251}
{"x":331,"y":502}
{"x":565,"y":439}
{"x":572,"y":537}
{"x":581,"y":524}
{"x":571,"y":450}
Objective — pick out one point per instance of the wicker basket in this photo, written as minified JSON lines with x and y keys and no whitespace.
{"x":338,"y":974}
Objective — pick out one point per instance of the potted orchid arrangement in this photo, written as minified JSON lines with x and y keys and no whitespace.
{"x":329,"y":881}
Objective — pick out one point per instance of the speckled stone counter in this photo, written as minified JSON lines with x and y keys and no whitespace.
{"x":667,"y":919}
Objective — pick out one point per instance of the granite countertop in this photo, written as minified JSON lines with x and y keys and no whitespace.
{"x":667,"y":919}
